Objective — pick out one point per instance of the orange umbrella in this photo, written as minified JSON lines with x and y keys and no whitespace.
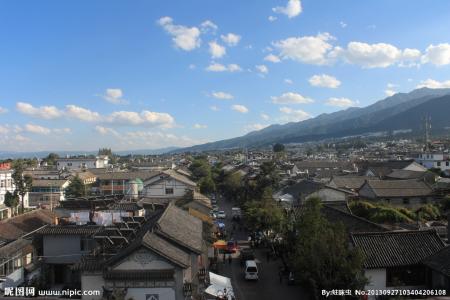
{"x":220,"y":244}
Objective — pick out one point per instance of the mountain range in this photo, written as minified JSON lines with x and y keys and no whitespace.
{"x":402,"y":111}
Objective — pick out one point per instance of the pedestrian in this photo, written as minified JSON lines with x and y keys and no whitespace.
{"x":229,"y":259}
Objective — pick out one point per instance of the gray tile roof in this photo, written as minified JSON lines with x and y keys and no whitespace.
{"x":13,"y":228}
{"x":121,"y":175}
{"x":166,"y":249}
{"x":440,"y":261}
{"x":397,"y":248}
{"x":84,"y":230}
{"x":181,"y":227}
{"x":348,"y":182}
{"x":399,"y":188}
{"x":13,"y":247}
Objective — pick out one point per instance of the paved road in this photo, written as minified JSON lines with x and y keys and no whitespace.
{"x":268,"y":287}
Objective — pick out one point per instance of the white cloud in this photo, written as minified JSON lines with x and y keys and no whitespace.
{"x":216,"y":67}
{"x":288,"y":81}
{"x":343,"y":24}
{"x":341,"y":102}
{"x":192,"y":66}
{"x":380,"y":55}
{"x":3,"y":110}
{"x":157,"y":139}
{"x":114,"y":96}
{"x":262,"y":69}
{"x":32,"y":128}
{"x":42,"y":112}
{"x":199,"y":126}
{"x":62,"y":130}
{"x":292,"y":115}
{"x":254,"y":127}
{"x":144,"y":118}
{"x":272,"y":18}
{"x":214,"y":108}
{"x":240,"y":108}
{"x":106,"y":130}
{"x":272,"y":58}
{"x":434,"y":84}
{"x":265,"y":116}
{"x":4,"y":130}
{"x":231,"y":39}
{"x":208,"y":26}
{"x":390,"y":92}
{"x":438,"y":55}
{"x":216,"y":50}
{"x":292,"y":9}
{"x":324,"y":80}
{"x":306,"y":49}
{"x":291,"y":98}
{"x":185,"y":38}
{"x":82,"y":114}
{"x":222,"y":95}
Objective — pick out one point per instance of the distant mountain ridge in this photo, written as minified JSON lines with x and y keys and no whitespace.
{"x":392,"y":110}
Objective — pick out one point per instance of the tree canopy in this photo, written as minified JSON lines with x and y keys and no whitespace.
{"x":22,"y":182}
{"x":75,"y":188}
{"x":322,"y":256}
{"x":278,"y":147}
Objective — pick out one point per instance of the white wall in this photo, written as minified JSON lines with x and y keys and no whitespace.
{"x":158,"y":189}
{"x":6,"y":184}
{"x":377,"y":280}
{"x":92,"y":283}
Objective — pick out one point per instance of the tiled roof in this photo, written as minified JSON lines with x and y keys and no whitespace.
{"x":351,"y":222}
{"x":49,"y":182}
{"x":126,"y":206}
{"x":177,"y":176}
{"x":399,"y":188}
{"x":85,"y":230}
{"x":348,"y":182}
{"x":405,"y":174}
{"x":398,"y":248}
{"x":18,"y":226}
{"x":440,"y":261}
{"x":179,"y":226}
{"x":304,"y":187}
{"x":13,"y":247}
{"x":166,"y":249}
{"x":143,"y":175}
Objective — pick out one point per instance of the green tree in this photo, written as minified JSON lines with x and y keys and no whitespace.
{"x":322,"y":256}
{"x":51,"y":159}
{"x":200,"y":168}
{"x":75,"y":188}
{"x":22,"y":182}
{"x":232,"y":187}
{"x":264,"y":214}
{"x":207,"y":185}
{"x":12,"y":201}
{"x":278,"y":147}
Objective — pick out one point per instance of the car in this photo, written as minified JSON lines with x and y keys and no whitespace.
{"x":251,"y":270}
{"x":221,"y":215}
{"x":214,"y":202}
{"x":215,"y":207}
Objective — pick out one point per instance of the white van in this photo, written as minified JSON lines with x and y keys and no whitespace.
{"x":251,"y":270}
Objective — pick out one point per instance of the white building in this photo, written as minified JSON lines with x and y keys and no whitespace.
{"x":80,"y":163}
{"x":434,"y":160}
{"x":6,"y":185}
{"x":167,"y":184}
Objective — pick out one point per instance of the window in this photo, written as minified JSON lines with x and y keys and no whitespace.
{"x":405,"y":201}
{"x":169,"y":191}
{"x":18,"y":262}
{"x":438,"y":163}
{"x":28,"y":258}
{"x":447,"y":163}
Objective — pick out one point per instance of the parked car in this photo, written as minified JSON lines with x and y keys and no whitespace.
{"x":221,"y":214}
{"x":251,"y":270}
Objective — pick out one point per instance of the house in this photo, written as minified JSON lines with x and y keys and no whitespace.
{"x":380,"y":169}
{"x":393,"y":260}
{"x":438,"y":266}
{"x":162,"y":259}
{"x":80,"y":163}
{"x":410,"y":193}
{"x":322,"y":168}
{"x":350,"y":183}
{"x":167,"y":185}
{"x":120,"y":182}
{"x":434,"y":160}
{"x":47,"y":193}
{"x":6,"y":185}
{"x":18,"y":256}
{"x":62,"y":247}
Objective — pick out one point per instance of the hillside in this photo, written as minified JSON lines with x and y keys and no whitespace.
{"x":387,"y":114}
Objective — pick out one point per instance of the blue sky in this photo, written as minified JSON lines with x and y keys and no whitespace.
{"x":79,"y":75}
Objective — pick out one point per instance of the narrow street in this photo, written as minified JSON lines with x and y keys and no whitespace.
{"x":268,"y":286}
